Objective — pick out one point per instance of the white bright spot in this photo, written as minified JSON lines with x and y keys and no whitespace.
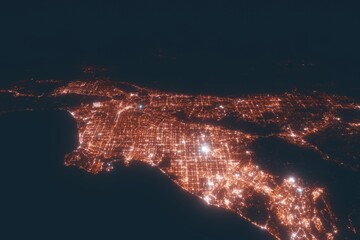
{"x":207,"y":199}
{"x":221,"y":106}
{"x":300,"y":190}
{"x":210,"y":183}
{"x":291,"y":179}
{"x":141,"y":106}
{"x":218,"y":177}
{"x":97,"y":104}
{"x":205,"y":149}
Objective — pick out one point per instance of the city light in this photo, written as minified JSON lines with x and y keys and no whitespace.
{"x":205,"y":149}
{"x":181,"y":135}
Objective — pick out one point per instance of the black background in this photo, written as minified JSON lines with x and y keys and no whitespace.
{"x":213,"y":47}
{"x":201,"y":46}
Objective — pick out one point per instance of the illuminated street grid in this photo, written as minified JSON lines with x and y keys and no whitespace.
{"x":209,"y":160}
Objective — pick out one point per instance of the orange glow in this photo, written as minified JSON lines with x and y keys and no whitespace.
{"x":171,"y":131}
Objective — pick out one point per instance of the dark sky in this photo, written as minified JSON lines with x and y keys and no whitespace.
{"x":312,"y":44}
{"x":34,"y":29}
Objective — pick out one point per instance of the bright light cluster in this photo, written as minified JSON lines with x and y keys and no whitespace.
{"x":175,"y":132}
